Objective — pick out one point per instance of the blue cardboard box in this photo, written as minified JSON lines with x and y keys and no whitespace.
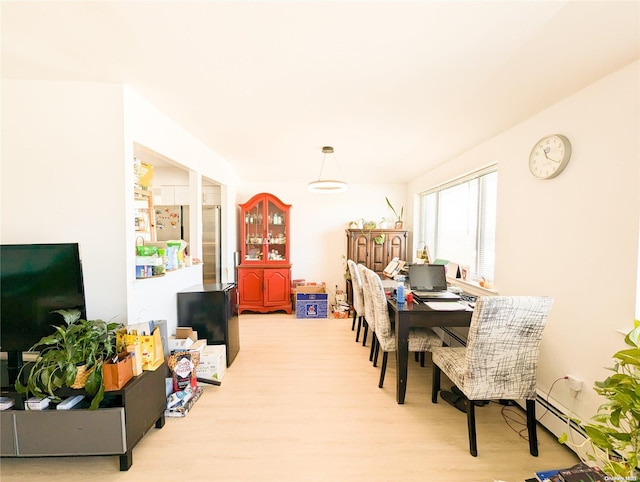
{"x":312,"y":302}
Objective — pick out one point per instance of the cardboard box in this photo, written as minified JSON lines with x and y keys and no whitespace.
{"x":213,"y":362}
{"x":186,"y":332}
{"x":198,"y":346}
{"x":179,"y":344}
{"x":340,"y":311}
{"x":312,"y":301}
{"x":184,"y":339}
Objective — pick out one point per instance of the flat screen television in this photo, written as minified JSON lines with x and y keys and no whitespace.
{"x":35,"y":280}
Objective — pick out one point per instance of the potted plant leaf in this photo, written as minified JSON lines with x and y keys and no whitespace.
{"x":71,"y":357}
{"x":398,"y":223}
{"x":614,"y":433}
{"x":379,"y":239}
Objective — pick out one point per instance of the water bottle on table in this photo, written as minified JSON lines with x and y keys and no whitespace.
{"x":400,"y":292}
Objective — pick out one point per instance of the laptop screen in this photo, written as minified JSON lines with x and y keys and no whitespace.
{"x":427,"y":277}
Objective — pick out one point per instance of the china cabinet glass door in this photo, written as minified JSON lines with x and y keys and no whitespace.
{"x":254,"y":232}
{"x":276,"y":233}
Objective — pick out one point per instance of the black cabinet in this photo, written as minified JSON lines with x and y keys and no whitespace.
{"x":212,"y":311}
{"x":126,"y":415}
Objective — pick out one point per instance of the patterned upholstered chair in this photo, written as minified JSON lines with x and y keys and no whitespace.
{"x":420,"y":339}
{"x":358,"y":295}
{"x":369,"y":314}
{"x":367,"y":320}
{"x":501,"y":357}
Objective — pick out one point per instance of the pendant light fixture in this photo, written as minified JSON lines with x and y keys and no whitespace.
{"x":327,"y":186}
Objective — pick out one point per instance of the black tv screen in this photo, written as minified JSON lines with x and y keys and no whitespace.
{"x":37,"y":279}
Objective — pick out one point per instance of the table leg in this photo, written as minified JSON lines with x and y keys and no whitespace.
{"x":402,"y":354}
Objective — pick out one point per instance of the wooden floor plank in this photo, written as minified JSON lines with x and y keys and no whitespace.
{"x":301,"y":403}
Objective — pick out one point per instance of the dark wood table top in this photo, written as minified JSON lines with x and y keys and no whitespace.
{"x":420,"y":314}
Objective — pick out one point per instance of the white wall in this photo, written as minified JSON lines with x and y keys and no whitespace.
{"x":146,"y":125}
{"x":67,"y":176}
{"x":574,"y":237}
{"x":62,"y":179}
{"x":319,"y":221}
{"x":149,"y":127}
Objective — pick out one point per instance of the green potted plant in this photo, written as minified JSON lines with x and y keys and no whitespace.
{"x":71,"y":357}
{"x":614,"y":433}
{"x":369,"y":225}
{"x":398,"y":222}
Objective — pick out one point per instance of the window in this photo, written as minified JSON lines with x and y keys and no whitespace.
{"x":458,"y":221}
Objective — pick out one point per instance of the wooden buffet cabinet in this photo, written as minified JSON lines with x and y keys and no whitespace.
{"x":374,"y":248}
{"x":264,"y":273}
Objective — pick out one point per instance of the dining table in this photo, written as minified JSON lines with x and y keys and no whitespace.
{"x":420,"y":314}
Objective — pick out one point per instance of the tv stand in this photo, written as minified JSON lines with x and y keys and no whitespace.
{"x":113,"y":430}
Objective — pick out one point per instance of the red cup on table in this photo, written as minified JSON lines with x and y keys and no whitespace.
{"x":410,"y":298}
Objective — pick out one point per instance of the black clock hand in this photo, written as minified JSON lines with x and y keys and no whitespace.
{"x":544,"y":151}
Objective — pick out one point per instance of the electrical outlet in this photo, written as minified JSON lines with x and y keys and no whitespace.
{"x":575,"y":384}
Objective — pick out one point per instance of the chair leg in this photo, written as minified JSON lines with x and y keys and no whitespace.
{"x":360,"y":322}
{"x":416,"y":357}
{"x":383,"y":369}
{"x":374,"y":342}
{"x":366,"y":332}
{"x":375,"y":354}
{"x":435,"y":383}
{"x":353,"y":323}
{"x":532,"y":427}
{"x":471,"y":423}
{"x":422,"y":359}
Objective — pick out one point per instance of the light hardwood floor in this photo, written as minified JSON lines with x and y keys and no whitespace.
{"x":301,"y":403}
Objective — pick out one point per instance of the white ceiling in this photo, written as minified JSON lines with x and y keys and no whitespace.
{"x":395,"y":87}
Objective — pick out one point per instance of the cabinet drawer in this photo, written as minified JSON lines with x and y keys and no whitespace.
{"x":69,"y":432}
{"x":7,"y":433}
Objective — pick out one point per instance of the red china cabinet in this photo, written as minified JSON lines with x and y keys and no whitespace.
{"x":264,"y":273}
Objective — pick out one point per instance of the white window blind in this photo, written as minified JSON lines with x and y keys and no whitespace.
{"x":458,"y":221}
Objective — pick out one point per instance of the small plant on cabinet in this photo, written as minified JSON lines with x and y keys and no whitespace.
{"x":71,"y":357}
{"x":398,"y":223}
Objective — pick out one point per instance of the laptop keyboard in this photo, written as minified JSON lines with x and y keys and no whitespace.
{"x":434,"y":294}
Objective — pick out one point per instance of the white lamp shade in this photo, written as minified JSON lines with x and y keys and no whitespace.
{"x":327,"y":186}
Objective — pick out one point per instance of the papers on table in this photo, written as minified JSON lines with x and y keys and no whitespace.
{"x":446,"y":305}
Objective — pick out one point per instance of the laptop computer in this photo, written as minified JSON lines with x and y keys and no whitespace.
{"x":429,"y":283}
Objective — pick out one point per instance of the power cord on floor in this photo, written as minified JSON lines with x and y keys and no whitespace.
{"x":549,"y":394}
{"x":515,"y":418}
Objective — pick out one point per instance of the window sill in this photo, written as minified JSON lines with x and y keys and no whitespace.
{"x":472,"y":288}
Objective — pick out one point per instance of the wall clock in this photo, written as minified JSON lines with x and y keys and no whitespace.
{"x":549,"y":156}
